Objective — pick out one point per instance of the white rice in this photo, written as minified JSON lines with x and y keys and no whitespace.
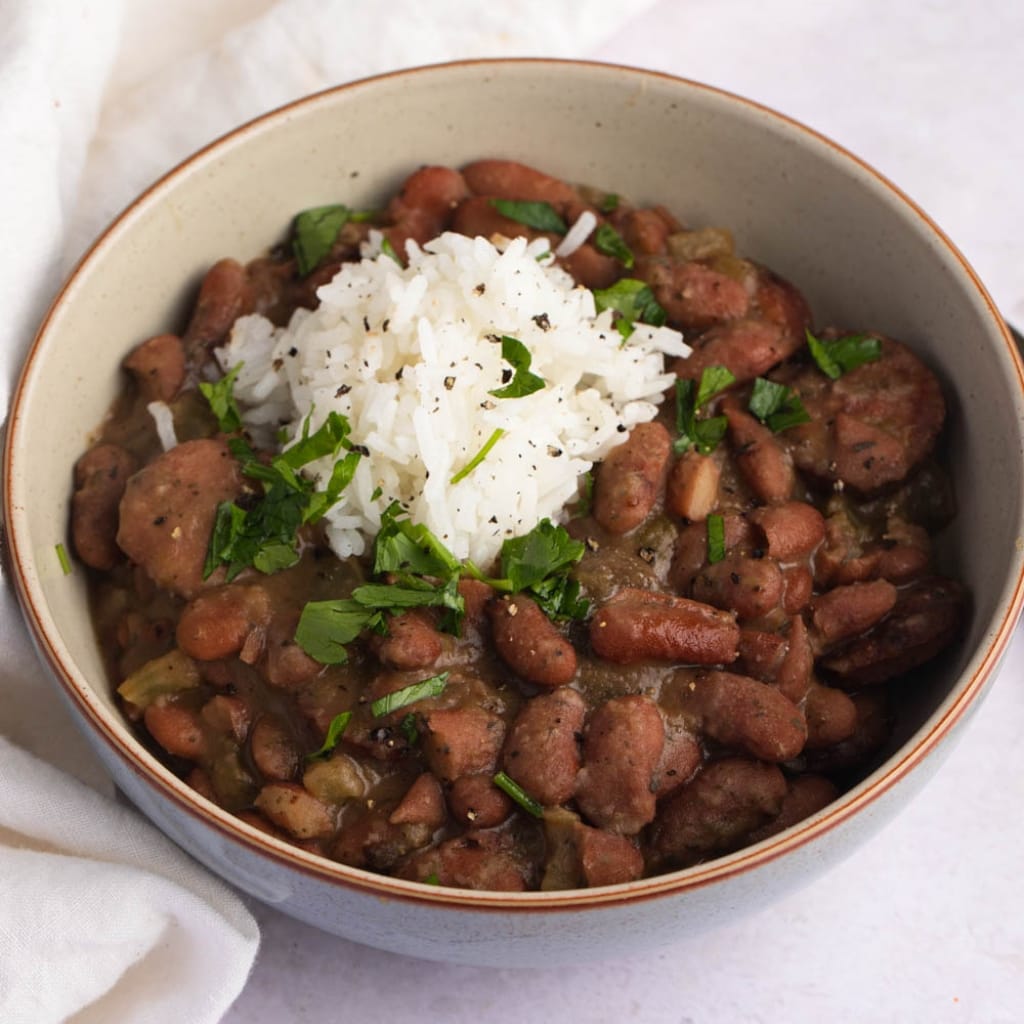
{"x":409,"y":356}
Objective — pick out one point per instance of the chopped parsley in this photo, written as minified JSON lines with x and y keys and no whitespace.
{"x":840,"y":355}
{"x":468,"y":468}
{"x":523,"y":382}
{"x":265,"y":534}
{"x":339,"y":723}
{"x":387,"y":249}
{"x":609,"y":242}
{"x":610,"y":203}
{"x":632,"y":301}
{"x":540,"y":216}
{"x":315,"y":231}
{"x":512,"y":788}
{"x":776,"y":405}
{"x":432,"y":687}
{"x":691,"y":397}
{"x":716,"y":538}
{"x":220,"y":395}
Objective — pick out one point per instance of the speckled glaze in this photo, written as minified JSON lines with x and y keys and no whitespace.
{"x":862,"y":253}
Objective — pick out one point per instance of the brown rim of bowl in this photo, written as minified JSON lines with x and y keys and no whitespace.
{"x":118,"y":737}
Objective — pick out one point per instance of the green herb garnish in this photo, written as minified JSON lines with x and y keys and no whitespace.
{"x":62,"y":557}
{"x":840,"y":355}
{"x":432,"y":687}
{"x":409,"y":729}
{"x":388,"y":249}
{"x":339,"y":723}
{"x":702,"y":434}
{"x":610,"y":203}
{"x":608,"y":241}
{"x":537,"y":215}
{"x":716,"y":538}
{"x":403,"y":546}
{"x":633,"y":301}
{"x":512,"y":788}
{"x":220,"y":396}
{"x":538,"y":563}
{"x":314,"y":231}
{"x":468,"y":468}
{"x":326,"y":627}
{"x":522,"y":381}
{"x":264,"y":535}
{"x":776,"y":405}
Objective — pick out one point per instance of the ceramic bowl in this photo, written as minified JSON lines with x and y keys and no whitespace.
{"x":859,"y":249}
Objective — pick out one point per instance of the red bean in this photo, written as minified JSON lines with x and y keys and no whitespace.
{"x":507,"y":179}
{"x":831,"y":716}
{"x":224,"y":296}
{"x":751,"y":587}
{"x":926,"y":618}
{"x":100,"y":478}
{"x":717,"y":810}
{"x":477,"y":802}
{"x":425,"y":206}
{"x":477,"y":860}
{"x":848,"y":611}
{"x":541,"y":751}
{"x":798,"y":587}
{"x":220,"y":622}
{"x":807,"y":795}
{"x":459,"y":741}
{"x":740,"y":712}
{"x":423,"y":804}
{"x":765,"y":466}
{"x":158,"y":366}
{"x":791,"y":531}
{"x":637,"y":625}
{"x":530,"y":643}
{"x":412,"y":641}
{"x":177,"y":728}
{"x":606,"y":858}
{"x":621,"y":752}
{"x":630,"y":479}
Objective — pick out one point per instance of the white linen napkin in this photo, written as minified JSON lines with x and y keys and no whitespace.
{"x":101,"y":918}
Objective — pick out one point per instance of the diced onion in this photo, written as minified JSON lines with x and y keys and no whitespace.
{"x":577,"y":234}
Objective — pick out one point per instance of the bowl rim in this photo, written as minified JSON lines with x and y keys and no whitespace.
{"x":119,"y":740}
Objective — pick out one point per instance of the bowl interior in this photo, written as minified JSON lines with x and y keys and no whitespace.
{"x":861,"y":253}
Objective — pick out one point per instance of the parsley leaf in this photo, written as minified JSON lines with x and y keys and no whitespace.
{"x":264,"y":535}
{"x":632,"y":300}
{"x":387,"y":249}
{"x":540,"y":216}
{"x":220,"y":396}
{"x":339,"y":723}
{"x":432,"y":687}
{"x":716,"y":538}
{"x":610,"y":203}
{"x":325,"y":627}
{"x":840,"y":355}
{"x":538,"y":564}
{"x":702,"y":434}
{"x":314,"y":231}
{"x":407,"y":547}
{"x":776,"y":405}
{"x":523,"y":382}
{"x":609,"y":242}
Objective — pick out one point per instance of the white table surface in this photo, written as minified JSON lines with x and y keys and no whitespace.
{"x":925,"y":922}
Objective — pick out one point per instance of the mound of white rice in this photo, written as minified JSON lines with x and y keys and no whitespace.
{"x":409,"y":356}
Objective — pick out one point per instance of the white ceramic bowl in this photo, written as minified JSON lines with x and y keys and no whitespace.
{"x":862,"y":253}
